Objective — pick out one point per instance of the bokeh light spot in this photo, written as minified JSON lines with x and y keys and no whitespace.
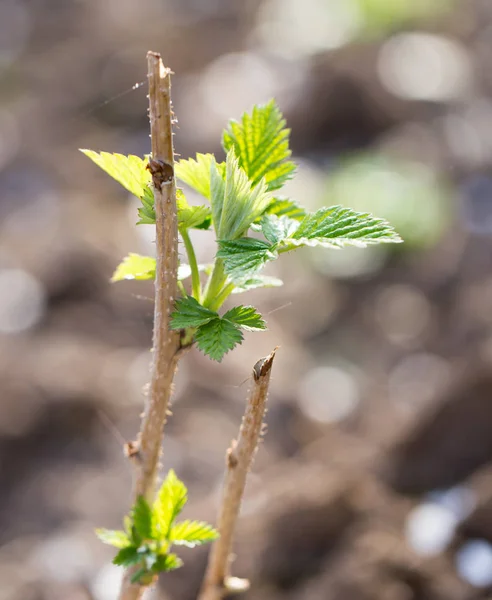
{"x":474,"y":563}
{"x":22,"y":301}
{"x":429,"y":528}
{"x":420,"y":66}
{"x":328,"y":394}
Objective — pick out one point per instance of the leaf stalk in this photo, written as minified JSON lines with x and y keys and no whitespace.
{"x":215,"y":285}
{"x":196,"y":288}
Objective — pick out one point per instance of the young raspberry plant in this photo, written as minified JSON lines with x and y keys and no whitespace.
{"x":253,"y":224}
{"x":150,"y":532}
{"x":241,"y":195}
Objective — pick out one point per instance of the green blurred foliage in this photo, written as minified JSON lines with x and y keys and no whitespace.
{"x":381,"y":16}
{"x":409,"y":195}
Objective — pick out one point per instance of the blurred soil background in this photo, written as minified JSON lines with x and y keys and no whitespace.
{"x":374,"y":481}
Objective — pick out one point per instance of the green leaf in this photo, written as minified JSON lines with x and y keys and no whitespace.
{"x":196,"y":173}
{"x":135,"y":266}
{"x":167,"y":562}
{"x":191,"y":216}
{"x":142,"y":518}
{"x":261,"y":143}
{"x":244,"y":257}
{"x":127,"y":557}
{"x":217,"y":337}
{"x":190,"y":313}
{"x":217,"y":193}
{"x":128,"y":525}
{"x":285,"y":207}
{"x":146,"y":212}
{"x":170,"y":500}
{"x":257,"y":281}
{"x":192,"y":533}
{"x":116,"y":538}
{"x":246,"y":317}
{"x":337,"y":226}
{"x":235,"y":203}
{"x":276,"y":229}
{"x":198,"y":217}
{"x":130,"y":171}
{"x":206,"y":224}
{"x":130,"y":531}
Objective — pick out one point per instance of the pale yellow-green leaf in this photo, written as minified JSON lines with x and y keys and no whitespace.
{"x":116,"y":538}
{"x":192,"y":533}
{"x":170,"y":500}
{"x":130,"y":171}
{"x":196,"y":172}
{"x":135,"y":266}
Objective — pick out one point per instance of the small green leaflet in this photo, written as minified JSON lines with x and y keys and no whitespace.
{"x":285,"y":207}
{"x":142,"y":518}
{"x":190,"y":313}
{"x":235,"y":202}
{"x":170,"y":501}
{"x":246,"y":317}
{"x":127,"y":557}
{"x":337,"y":226}
{"x":116,"y":538}
{"x":192,"y":533}
{"x":128,"y":526}
{"x":276,"y":229}
{"x":217,"y":193}
{"x":196,"y":172}
{"x":198,"y":217}
{"x":244,"y":257}
{"x":146,"y":212}
{"x":192,"y":216}
{"x":129,"y":171}
{"x":135,"y":266}
{"x":215,"y":335}
{"x":175,"y":490}
{"x":168,"y":562}
{"x":261,"y":143}
{"x":257,"y":281}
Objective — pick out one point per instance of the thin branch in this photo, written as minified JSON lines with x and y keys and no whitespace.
{"x":217,"y":582}
{"x":165,"y":341}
